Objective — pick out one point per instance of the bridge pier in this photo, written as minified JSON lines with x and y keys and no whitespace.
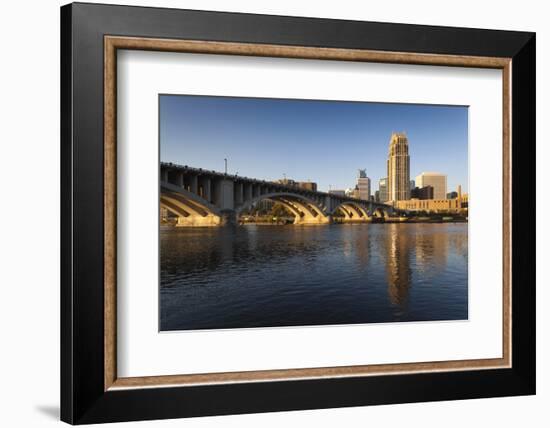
{"x":229,"y":218}
{"x":239,"y":194}
{"x":194,"y":186}
{"x":179,"y":179}
{"x":205,"y":191}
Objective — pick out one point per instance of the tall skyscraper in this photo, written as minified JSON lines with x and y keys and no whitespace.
{"x":436,"y":180}
{"x":363,"y":185}
{"x":383,"y":189}
{"x":398,"y":166}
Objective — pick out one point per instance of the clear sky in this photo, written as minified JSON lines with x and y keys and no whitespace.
{"x":322,"y":141}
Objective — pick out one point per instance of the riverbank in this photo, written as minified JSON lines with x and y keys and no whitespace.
{"x":341,"y":221}
{"x":390,"y":221}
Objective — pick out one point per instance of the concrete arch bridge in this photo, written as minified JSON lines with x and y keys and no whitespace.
{"x":207,"y":198}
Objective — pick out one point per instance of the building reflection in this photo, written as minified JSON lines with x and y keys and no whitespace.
{"x":363,"y":250}
{"x":458,"y":243}
{"x":398,"y":267}
{"x":431,"y":250}
{"x":424,"y":250}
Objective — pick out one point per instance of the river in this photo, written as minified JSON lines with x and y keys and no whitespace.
{"x":273,"y":276}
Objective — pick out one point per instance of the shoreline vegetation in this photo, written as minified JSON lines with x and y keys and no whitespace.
{"x":434,"y":219}
{"x":277,"y":214}
{"x":289,"y":221}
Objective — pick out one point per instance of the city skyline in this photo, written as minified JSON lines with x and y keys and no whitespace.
{"x":310,"y":140}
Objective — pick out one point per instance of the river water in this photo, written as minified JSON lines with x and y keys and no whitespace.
{"x":269,"y":276}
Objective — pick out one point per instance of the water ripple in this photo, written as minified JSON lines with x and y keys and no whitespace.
{"x":266,"y":276}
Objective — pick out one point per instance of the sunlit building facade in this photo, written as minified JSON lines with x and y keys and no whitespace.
{"x":307,"y":185}
{"x":436,"y":180}
{"x":456,"y":205}
{"x":398,"y":167}
{"x":363,"y":185}
{"x":383,"y":189}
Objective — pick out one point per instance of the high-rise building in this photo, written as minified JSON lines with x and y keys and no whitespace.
{"x":363,"y":185}
{"x":398,"y":166}
{"x":413,"y":185}
{"x":426,"y":192}
{"x":383,"y":189}
{"x":436,"y":180}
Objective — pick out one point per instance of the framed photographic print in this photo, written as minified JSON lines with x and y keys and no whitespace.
{"x":265,"y":213}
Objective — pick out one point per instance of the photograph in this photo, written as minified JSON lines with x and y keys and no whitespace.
{"x":299,"y":212}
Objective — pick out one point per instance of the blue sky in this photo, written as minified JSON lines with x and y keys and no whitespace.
{"x":321,"y":141}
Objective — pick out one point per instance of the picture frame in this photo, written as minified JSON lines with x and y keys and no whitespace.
{"x":91,"y":391}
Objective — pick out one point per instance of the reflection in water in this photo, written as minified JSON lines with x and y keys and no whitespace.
{"x":398,"y":268}
{"x":266,"y":276}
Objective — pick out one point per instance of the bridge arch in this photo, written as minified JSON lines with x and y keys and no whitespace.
{"x":380,"y":213}
{"x":191,"y":210}
{"x":305,"y":210}
{"x":353,"y":211}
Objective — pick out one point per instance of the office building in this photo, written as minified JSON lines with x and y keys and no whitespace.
{"x":398,"y":167}
{"x":436,"y":180}
{"x":426,"y":192}
{"x":351,"y":192}
{"x":383,"y":189}
{"x":307,"y":185}
{"x":363,"y":185}
{"x":456,"y":205}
